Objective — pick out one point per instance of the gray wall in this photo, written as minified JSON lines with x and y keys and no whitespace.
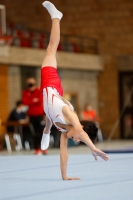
{"x":84,"y":83}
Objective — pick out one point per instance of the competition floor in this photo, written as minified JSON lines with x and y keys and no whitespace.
{"x":32,"y":177}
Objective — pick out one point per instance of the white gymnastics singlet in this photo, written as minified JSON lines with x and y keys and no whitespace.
{"x":53,"y":104}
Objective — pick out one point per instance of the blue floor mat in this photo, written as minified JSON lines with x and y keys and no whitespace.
{"x":38,"y":178}
{"x":119,"y":151}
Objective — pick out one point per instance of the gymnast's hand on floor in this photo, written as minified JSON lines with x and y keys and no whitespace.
{"x":96,"y":152}
{"x":71,"y":178}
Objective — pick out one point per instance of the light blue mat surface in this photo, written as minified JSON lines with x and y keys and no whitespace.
{"x":38,"y":178}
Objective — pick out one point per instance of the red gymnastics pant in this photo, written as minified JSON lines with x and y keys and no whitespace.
{"x":50,"y":78}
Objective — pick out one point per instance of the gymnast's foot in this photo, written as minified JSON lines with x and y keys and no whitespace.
{"x":54,"y":13}
{"x":45,"y":141}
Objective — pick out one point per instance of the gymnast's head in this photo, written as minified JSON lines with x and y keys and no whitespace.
{"x":89,"y":127}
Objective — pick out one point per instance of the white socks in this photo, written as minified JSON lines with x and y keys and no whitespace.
{"x":45,"y":141}
{"x":54,"y":13}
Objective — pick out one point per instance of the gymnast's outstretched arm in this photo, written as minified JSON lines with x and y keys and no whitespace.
{"x":79,"y":134}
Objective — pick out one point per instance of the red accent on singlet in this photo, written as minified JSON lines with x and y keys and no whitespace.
{"x":50,"y":78}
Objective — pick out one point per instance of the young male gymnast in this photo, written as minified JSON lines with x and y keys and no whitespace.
{"x":58,"y":110}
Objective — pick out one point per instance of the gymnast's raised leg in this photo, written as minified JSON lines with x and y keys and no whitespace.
{"x":50,"y":61}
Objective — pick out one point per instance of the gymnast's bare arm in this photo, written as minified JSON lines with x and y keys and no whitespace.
{"x":78,"y":133}
{"x":64,"y":158}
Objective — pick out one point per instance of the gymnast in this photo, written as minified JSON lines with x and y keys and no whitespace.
{"x":58,"y":110}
